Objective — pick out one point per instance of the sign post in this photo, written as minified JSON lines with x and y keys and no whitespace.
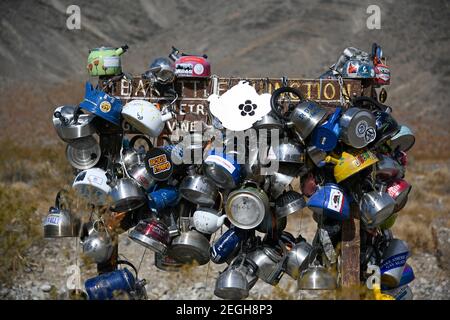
{"x":191,"y":106}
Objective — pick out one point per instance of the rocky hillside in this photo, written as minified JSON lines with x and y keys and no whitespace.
{"x":263,"y":38}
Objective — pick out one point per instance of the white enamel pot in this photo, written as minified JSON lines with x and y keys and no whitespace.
{"x":145,"y":117}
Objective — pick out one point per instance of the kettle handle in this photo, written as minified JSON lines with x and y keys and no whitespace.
{"x":254,"y":183}
{"x":61,"y":118}
{"x":58,"y":197}
{"x":335,"y":115}
{"x":277,"y":93}
{"x":130,"y":265}
{"x":356,"y":101}
{"x":76,"y":113}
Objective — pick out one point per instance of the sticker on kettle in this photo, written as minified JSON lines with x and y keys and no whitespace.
{"x":222,"y":162}
{"x":52,"y":219}
{"x":361,"y":128}
{"x":336,"y":200}
{"x":158,"y":164}
{"x":105,"y":107}
{"x":184,"y":69}
{"x":351,"y":69}
{"x":95,"y":180}
{"x":198,"y":68}
{"x":370,"y":134}
{"x":111,"y":62}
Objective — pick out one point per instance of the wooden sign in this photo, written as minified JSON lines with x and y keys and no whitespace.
{"x":192,"y":105}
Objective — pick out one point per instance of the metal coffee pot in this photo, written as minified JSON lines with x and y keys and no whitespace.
{"x":198,"y":189}
{"x":231,"y":284}
{"x":70,"y":125}
{"x":238,"y":278}
{"x":167,"y":263}
{"x":83,"y":153}
{"x":190,"y":246}
{"x":403,"y":140}
{"x":316,"y":278}
{"x":280,"y":180}
{"x":287,"y":152}
{"x":98,"y":244}
{"x":288,"y":203}
{"x":60,"y":222}
{"x":297,"y":258}
{"x":387,"y":168}
{"x":269,"y":262}
{"x":393,"y":263}
{"x":305,"y":117}
{"x":140,"y":174}
{"x":357,"y":127}
{"x":375,"y":207}
{"x":247,"y":206}
{"x":386,"y":127}
{"x":152,"y":234}
{"x":268,"y":122}
{"x":126,"y":195}
{"x":133,"y":155}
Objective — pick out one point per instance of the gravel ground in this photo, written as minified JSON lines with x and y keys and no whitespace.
{"x":48,"y":280}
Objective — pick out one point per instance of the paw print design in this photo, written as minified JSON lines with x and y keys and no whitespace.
{"x":247,"y":108}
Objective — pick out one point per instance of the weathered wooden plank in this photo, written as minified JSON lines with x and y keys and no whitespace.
{"x":192,"y":105}
{"x":350,"y":256}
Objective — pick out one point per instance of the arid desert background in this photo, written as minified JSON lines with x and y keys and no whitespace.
{"x":42,"y":66}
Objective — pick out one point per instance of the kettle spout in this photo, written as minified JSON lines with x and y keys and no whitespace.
{"x":221,"y":220}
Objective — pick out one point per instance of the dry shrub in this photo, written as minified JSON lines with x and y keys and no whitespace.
{"x":428,"y":200}
{"x":29,"y":180}
{"x":19,"y":227}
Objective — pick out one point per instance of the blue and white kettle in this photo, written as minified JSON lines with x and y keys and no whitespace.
{"x":330,"y":201}
{"x":102,"y":104}
{"x":223,"y":168}
{"x":325,"y":137}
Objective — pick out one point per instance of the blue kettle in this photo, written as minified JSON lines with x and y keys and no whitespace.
{"x":325,"y":137}
{"x":330,"y":201}
{"x":223,"y":168}
{"x":107,"y":285}
{"x":163,"y":198}
{"x":407,"y":277}
{"x":226,"y":245}
{"x":102,"y":104}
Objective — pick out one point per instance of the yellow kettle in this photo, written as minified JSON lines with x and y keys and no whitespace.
{"x":380,"y":296}
{"x":351,"y":162}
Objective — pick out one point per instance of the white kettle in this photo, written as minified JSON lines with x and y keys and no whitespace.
{"x":145,"y":117}
{"x":209,"y":220}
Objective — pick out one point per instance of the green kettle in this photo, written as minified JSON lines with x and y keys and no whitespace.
{"x":105,"y":61}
